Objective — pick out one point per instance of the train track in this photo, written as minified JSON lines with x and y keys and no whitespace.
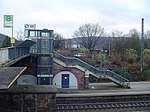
{"x":102,"y":106}
{"x":139,"y":102}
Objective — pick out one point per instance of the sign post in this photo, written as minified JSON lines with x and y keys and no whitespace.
{"x":8,"y":23}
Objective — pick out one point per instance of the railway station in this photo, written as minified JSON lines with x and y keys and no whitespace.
{"x":65,"y":80}
{"x":47,"y":67}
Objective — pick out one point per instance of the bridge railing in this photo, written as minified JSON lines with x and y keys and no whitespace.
{"x":10,"y":53}
{"x":97,"y":71}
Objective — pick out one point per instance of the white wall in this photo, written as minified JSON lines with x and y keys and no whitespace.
{"x":73,"y":84}
{"x":3,"y":55}
{"x":27,"y":80}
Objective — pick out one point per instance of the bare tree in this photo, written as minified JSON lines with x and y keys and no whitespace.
{"x":89,"y":35}
{"x":116,"y":33}
{"x":58,"y":41}
{"x":133,"y":33}
{"x":147,"y":35}
{"x":20,"y":35}
{"x":147,"y":39}
{"x":131,"y":40}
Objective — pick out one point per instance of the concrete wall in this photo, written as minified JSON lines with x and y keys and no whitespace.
{"x":3,"y":55}
{"x":27,"y":79}
{"x":27,"y":102}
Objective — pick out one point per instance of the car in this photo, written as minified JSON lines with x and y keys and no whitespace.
{"x":79,"y":55}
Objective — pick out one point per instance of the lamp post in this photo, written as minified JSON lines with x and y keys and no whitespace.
{"x":109,"y":51}
{"x":104,"y":58}
{"x":105,"y":51}
{"x":142,"y":46}
{"x":101,"y":63}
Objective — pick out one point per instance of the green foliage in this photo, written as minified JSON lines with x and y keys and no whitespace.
{"x":147,"y":57}
{"x":146,"y":74}
{"x":84,"y":50}
{"x":95,"y":58}
{"x":130,"y":55}
{"x":147,"y":53}
{"x":116,"y":59}
{"x":124,"y":71}
{"x":134,"y":72}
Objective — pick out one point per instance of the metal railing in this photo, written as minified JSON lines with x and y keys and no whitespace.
{"x":10,"y":55}
{"x":72,"y":61}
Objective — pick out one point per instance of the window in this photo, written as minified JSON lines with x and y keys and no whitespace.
{"x":45,"y":34}
{"x":32,"y":34}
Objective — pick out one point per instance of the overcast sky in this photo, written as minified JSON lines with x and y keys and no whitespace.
{"x":65,"y":16}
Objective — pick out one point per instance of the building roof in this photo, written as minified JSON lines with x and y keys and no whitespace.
{"x":26,"y":43}
{"x":8,"y":75}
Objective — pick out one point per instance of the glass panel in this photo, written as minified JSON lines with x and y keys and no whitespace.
{"x":32,"y":34}
{"x":44,"y":46}
{"x":44,"y":70}
{"x":44,"y":60}
{"x":33,"y":49}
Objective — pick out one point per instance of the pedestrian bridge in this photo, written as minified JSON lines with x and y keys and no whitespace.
{"x":97,"y":72}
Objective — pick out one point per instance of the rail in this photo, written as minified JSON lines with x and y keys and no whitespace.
{"x":139,"y":105}
{"x":101,"y":103}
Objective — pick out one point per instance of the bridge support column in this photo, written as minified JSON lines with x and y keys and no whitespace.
{"x":86,"y":80}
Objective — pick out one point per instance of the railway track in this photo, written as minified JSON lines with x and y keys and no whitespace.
{"x":135,"y":102}
{"x":102,"y":106}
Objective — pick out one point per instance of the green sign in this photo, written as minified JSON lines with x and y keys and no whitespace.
{"x":8,"y":21}
{"x":26,"y":26}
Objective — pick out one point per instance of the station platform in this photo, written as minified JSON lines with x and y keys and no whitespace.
{"x":107,"y":89}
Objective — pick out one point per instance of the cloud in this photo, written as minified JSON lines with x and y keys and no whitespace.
{"x":65,"y":16}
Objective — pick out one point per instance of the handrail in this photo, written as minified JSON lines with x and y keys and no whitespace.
{"x":97,"y":71}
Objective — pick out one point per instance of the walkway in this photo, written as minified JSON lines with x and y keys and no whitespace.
{"x":108,"y":89}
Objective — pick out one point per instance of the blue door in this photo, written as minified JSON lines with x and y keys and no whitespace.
{"x":65,"y":80}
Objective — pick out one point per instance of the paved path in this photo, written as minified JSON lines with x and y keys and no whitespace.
{"x":108,"y":89}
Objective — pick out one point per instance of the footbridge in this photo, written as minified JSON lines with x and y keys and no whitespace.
{"x":97,"y":72}
{"x":10,"y":55}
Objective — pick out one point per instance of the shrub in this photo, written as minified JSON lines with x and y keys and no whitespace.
{"x":130,"y":55}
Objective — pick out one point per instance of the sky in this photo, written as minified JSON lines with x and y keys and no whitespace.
{"x":65,"y":16}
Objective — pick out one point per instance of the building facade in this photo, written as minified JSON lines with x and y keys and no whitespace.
{"x":43,"y":51}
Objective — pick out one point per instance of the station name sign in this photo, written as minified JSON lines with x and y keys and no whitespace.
{"x":30,"y":26}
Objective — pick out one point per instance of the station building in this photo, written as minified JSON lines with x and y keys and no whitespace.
{"x":43,"y":68}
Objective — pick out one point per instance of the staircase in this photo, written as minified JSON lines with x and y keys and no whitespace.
{"x":98,"y":72}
